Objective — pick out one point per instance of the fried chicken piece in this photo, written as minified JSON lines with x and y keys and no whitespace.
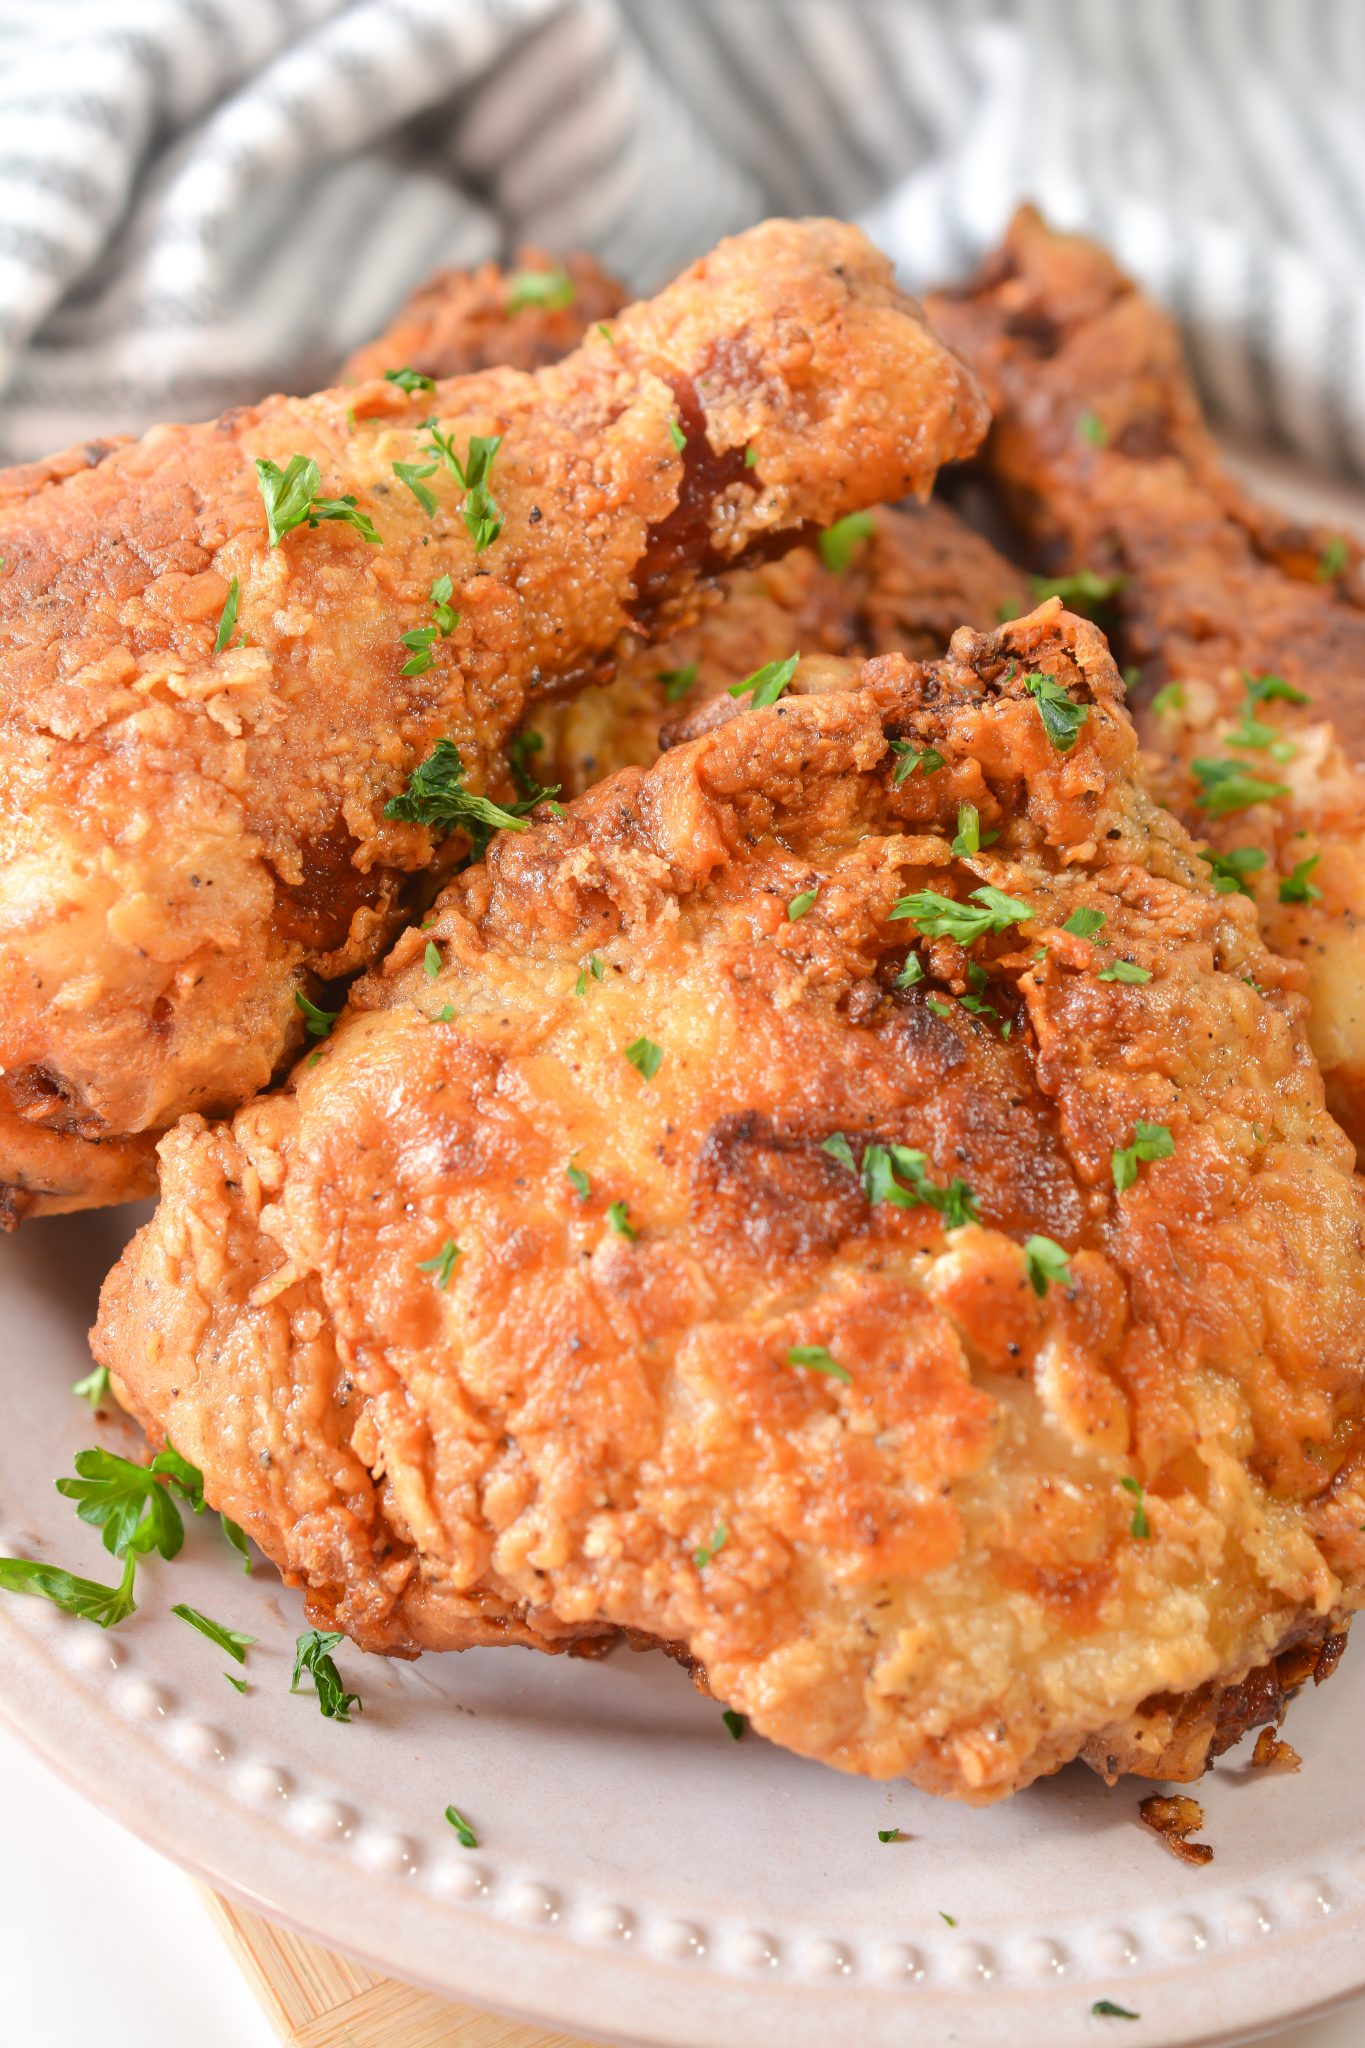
{"x":655,"y":1247}
{"x":1248,"y":631}
{"x":187,"y":833}
{"x":464,"y":320}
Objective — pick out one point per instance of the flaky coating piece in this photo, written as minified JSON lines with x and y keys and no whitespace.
{"x":554,"y":1297}
{"x":1105,"y":462}
{"x":463,"y":320}
{"x":186,"y":832}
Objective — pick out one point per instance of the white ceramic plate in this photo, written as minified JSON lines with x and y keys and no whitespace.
{"x":641,"y":1876}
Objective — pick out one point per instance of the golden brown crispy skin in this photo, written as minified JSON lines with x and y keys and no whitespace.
{"x":1105,"y":462}
{"x":185,"y":835}
{"x":924,"y":1563}
{"x":463,"y":320}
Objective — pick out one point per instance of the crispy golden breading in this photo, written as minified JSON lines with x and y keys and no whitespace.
{"x":1105,"y":462}
{"x":463,"y":320}
{"x":909,"y":584}
{"x":552,"y":1300}
{"x":186,"y":834}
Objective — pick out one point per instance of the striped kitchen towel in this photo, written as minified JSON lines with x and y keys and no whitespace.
{"x":204,"y":200}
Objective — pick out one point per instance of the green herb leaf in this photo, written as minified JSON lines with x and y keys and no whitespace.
{"x":1123,"y":970}
{"x":411,"y":474}
{"x":104,"y":1605}
{"x":704,"y":1553}
{"x":947,"y":1917}
{"x":888,"y":1834}
{"x":940,"y":917}
{"x":910,"y":973}
{"x":1150,"y":1141}
{"x":1105,"y":2009}
{"x":645,"y":1056}
{"x":1169,"y":699}
{"x":838,"y":543}
{"x":1295,"y":887}
{"x":678,"y":681}
{"x":1231,"y":869}
{"x":838,"y":1147}
{"x":815,"y":1358}
{"x":316,"y":1023}
{"x":1092,"y":429}
{"x":621,"y":1223}
{"x":939,"y":1007}
{"x":1085,"y":592}
{"x":1047,"y":1264}
{"x":94,"y":1388}
{"x":290,"y":496}
{"x":230,"y":1639}
{"x":767,"y":683}
{"x":595,"y":968}
{"x":736,"y":1723}
{"x":1084,"y":923}
{"x":227,"y":623}
{"x":578,"y":1181}
{"x":436,"y":797}
{"x":1334,"y":559}
{"x":1139,"y":1527}
{"x":908,"y":761}
{"x":676,"y":435}
{"x":431,"y":959}
{"x":236,"y":1538}
{"x":799,"y":905}
{"x":182,"y":1477}
{"x":313,"y":1655}
{"x":124,"y":1502}
{"x":1225,"y":787}
{"x":441,"y":1263}
{"x":970,"y":838}
{"x":1062,"y":717}
{"x":440,"y":594}
{"x":882,"y":1163}
{"x":464,"y":1832}
{"x":410,"y":380}
{"x":1271,"y":690}
{"x":237,"y":1684}
{"x":552,"y":289}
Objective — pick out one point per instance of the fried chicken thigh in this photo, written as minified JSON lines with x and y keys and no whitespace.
{"x":1248,"y":632}
{"x":851,"y":1202}
{"x":193,"y":816}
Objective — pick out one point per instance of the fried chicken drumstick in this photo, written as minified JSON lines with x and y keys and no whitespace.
{"x":851,"y":1203}
{"x":200,"y":728}
{"x":1249,"y":632}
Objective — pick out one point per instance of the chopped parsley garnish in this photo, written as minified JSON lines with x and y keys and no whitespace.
{"x":736,"y":1723}
{"x":313,"y":1654}
{"x":1105,"y":2009}
{"x":445,"y":1015}
{"x":227,"y":623}
{"x":676,"y":435}
{"x":1091,"y":428}
{"x":236,"y":1539}
{"x":230,"y":1639}
{"x":1084,"y":592}
{"x":908,"y":760}
{"x":552,"y":289}
{"x":440,"y":594}
{"x":1062,"y":717}
{"x":750,"y":457}
{"x":94,"y":1388}
{"x":1169,"y":699}
{"x":124,"y":1502}
{"x":605,"y":332}
{"x":1124,"y":970}
{"x":409,"y":380}
{"x":910,"y":973}
{"x":441,"y":1263}
{"x":947,"y":1917}
{"x":104,"y":1605}
{"x":704,"y":1552}
{"x":888,"y":1834}
{"x":480,"y":511}
{"x":882,"y":1163}
{"x":1139,"y":1527}
{"x":316,"y":1023}
{"x":678,"y":681}
{"x":799,"y":905}
{"x":181,"y":1477}
{"x":645,"y":1056}
{"x":1230,"y":870}
{"x":838,"y":1147}
{"x":290,"y":496}
{"x":939,"y":1007}
{"x":464,"y":1833}
{"x":597,"y":971}
{"x":620,"y":1222}
{"x":767,"y":683}
{"x":436,"y":797}
{"x":237,"y":1684}
{"x":838,"y":542}
{"x":1271,"y":690}
{"x":940,"y":917}
{"x":578,"y":1181}
{"x":970,"y":838}
{"x":1047,"y":1264}
{"x":1334,"y":559}
{"x":1225,"y":787}
{"x":1255,"y":733}
{"x":1150,"y":1141}
{"x":1295,"y":887}
{"x":1084,"y":923}
{"x":431,"y":959}
{"x":411,"y":474}
{"x":815,"y":1358}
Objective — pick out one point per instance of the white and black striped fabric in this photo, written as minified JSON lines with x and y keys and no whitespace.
{"x":205,"y":200}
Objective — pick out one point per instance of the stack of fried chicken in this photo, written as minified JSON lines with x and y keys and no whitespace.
{"x":725,"y":1067}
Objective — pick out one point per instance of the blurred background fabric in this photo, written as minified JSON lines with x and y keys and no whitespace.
{"x":207,"y":200}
